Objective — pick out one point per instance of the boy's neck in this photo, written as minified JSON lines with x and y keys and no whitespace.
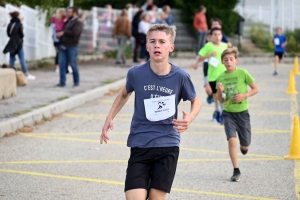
{"x":216,"y":43}
{"x":231,"y":70}
{"x":160,"y":67}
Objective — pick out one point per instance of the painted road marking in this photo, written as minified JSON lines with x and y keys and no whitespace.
{"x":121,"y":183}
{"x":124,"y":143}
{"x":35,"y":162}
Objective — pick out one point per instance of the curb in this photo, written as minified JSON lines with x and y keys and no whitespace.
{"x":30,"y":118}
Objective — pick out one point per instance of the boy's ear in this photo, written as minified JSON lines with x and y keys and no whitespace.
{"x":172,"y":48}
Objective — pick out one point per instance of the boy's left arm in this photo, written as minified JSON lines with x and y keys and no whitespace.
{"x":183,"y":124}
{"x":240,"y":97}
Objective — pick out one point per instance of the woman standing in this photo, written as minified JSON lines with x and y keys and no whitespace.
{"x":122,"y":31}
{"x":200,"y":24}
{"x":15,"y":43}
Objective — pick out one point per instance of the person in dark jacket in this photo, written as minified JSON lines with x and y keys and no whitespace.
{"x":135,"y":28}
{"x":15,"y":44}
{"x":68,"y":49}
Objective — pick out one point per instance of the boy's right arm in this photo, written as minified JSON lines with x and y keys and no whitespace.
{"x":118,"y":104}
{"x":220,"y":91}
{"x":202,"y":58}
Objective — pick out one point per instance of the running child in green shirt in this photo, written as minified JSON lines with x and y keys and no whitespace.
{"x":233,"y":93}
{"x":212,"y":51}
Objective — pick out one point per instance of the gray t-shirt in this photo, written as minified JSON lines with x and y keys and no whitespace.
{"x":146,"y":84}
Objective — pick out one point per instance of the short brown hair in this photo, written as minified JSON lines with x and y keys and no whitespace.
{"x":216,"y":20}
{"x":14,"y":14}
{"x":169,"y":30}
{"x":231,"y":50}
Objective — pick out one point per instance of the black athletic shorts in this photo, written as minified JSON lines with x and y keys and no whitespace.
{"x":205,"y":68}
{"x":213,"y":86}
{"x":279,"y":54}
{"x":151,"y":168}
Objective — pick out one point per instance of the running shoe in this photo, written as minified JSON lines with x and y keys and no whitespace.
{"x":209,"y":99}
{"x":214,"y":117}
{"x":235,"y":177}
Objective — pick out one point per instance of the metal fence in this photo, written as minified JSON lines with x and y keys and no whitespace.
{"x":37,"y":40}
{"x":274,"y":13}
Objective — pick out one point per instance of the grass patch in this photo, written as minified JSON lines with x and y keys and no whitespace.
{"x":21,"y":112}
{"x":62,"y":98}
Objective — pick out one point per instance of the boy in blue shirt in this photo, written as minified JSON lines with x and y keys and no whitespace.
{"x":280,"y":42}
{"x":155,"y":129}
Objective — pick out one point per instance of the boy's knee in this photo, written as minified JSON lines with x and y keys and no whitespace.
{"x":232,"y":141}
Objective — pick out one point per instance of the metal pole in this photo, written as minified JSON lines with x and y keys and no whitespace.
{"x":293,"y":17}
{"x":71,"y":2}
{"x":282,"y":16}
{"x":271,"y":22}
{"x":260,"y":14}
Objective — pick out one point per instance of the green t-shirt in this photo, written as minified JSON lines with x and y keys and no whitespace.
{"x":214,"y":71}
{"x":235,"y":83}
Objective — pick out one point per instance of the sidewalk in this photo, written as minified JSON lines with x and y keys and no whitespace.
{"x":41,"y":92}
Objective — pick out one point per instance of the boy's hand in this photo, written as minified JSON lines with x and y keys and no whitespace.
{"x":182,"y":125}
{"x":195,"y":66}
{"x":239,"y":97}
{"x":213,"y":54}
{"x":107,"y":125}
{"x":221,"y":87}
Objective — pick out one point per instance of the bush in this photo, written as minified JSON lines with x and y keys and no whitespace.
{"x":262,"y":39}
{"x":222,"y":10}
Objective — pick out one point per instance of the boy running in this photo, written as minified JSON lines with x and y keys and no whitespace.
{"x":212,"y":51}
{"x":233,"y":92}
{"x":154,"y":136}
{"x":280,"y":42}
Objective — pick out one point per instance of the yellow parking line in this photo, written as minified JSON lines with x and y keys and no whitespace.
{"x":124,"y":143}
{"x":35,"y":162}
{"x":121,"y":183}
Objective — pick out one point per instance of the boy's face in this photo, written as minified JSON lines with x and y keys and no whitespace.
{"x":278,"y":31}
{"x":230,"y":61}
{"x":159,"y":45}
{"x":216,"y":36}
{"x":216,"y":24}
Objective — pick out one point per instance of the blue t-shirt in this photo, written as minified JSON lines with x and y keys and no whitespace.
{"x":278,"y":41}
{"x":224,"y":38}
{"x":147,"y":85}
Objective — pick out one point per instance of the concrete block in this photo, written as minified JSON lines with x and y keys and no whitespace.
{"x":5,"y":127}
{"x":27,"y":119}
{"x":16,"y":123}
{"x":46,"y":111}
{"x":8,"y":83}
{"x":36,"y":116}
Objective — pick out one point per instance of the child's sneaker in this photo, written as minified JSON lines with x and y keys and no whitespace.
{"x":70,"y":69}
{"x":209,"y":99}
{"x":275,"y":73}
{"x":214,"y":118}
{"x":220,"y":118}
{"x":236,"y":176}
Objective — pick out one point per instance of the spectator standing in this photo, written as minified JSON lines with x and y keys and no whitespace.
{"x":144,"y":26}
{"x":168,"y":17}
{"x":146,"y":4}
{"x":58,"y":23}
{"x":135,"y":33}
{"x":217,"y":23}
{"x":68,"y":50}
{"x":200,"y":25}
{"x":15,"y":43}
{"x":122,"y":31}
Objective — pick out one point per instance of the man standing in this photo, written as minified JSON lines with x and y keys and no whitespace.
{"x":68,"y":49}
